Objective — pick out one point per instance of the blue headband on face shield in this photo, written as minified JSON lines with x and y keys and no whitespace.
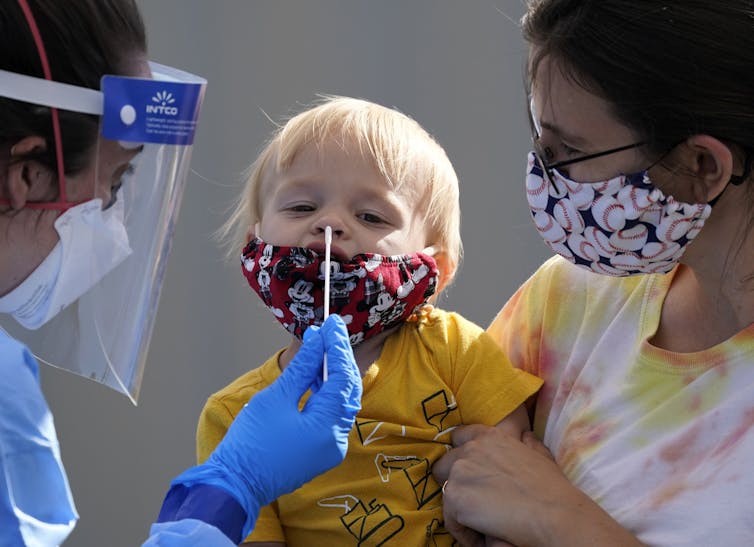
{"x":160,"y":110}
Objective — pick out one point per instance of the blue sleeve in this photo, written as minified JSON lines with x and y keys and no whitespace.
{"x":207,"y":503}
{"x":36,"y":505}
{"x":186,"y":533}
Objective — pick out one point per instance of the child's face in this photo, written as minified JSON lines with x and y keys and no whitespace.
{"x":342,"y":190}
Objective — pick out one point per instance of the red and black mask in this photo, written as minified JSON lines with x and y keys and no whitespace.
{"x":371,"y":292}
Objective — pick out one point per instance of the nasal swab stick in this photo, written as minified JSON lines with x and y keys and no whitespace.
{"x":328,"y":243}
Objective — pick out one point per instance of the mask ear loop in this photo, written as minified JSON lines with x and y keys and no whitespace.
{"x":62,"y":201}
{"x":735,"y":180}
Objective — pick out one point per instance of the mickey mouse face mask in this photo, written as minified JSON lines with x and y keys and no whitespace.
{"x":371,"y":292}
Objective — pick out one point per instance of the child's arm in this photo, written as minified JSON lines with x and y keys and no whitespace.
{"x":515,"y":423}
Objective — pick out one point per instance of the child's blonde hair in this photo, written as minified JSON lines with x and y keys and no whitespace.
{"x":411,"y":161}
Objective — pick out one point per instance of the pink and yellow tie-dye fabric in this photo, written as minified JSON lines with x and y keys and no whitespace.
{"x":662,"y":440}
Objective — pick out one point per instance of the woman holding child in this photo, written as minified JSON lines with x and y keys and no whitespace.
{"x":641,"y":329}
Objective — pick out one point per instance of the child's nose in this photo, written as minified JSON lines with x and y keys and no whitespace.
{"x":333,"y":221}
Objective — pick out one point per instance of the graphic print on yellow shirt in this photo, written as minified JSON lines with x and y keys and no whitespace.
{"x":432,"y":376}
{"x":372,"y":522}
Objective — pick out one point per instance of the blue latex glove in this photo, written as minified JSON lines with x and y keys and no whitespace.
{"x":272,"y":448}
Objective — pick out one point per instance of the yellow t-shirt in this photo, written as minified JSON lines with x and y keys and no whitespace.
{"x":433,"y":374}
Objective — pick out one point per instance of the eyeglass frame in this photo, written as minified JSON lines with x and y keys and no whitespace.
{"x":536,"y":135}
{"x":536,"y":132}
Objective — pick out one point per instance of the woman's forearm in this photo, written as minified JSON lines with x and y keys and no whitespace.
{"x":509,"y":488}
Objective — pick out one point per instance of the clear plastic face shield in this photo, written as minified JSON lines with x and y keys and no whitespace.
{"x":90,"y":307}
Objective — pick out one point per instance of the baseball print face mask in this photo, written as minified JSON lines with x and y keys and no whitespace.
{"x":622,"y":226}
{"x":371,"y":292}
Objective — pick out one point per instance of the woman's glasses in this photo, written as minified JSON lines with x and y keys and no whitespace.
{"x":542,"y":154}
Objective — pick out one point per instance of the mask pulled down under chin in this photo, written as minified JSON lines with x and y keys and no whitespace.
{"x":371,"y":292}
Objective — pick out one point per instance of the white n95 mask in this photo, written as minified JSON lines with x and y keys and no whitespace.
{"x":92,"y":243}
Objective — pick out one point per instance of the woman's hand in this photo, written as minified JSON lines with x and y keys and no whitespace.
{"x":496,"y":486}
{"x":508,"y":488}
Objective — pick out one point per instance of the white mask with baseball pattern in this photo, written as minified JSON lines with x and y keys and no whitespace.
{"x":622,"y":226}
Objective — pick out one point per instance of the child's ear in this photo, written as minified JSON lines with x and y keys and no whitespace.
{"x":445,"y":266}
{"x":252,"y":232}
{"x":25,"y":177}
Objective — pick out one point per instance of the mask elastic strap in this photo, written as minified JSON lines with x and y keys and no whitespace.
{"x":62,"y":202}
{"x":736,"y":180}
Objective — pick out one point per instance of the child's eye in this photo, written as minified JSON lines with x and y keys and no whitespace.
{"x":301,"y":208}
{"x":371,"y":218}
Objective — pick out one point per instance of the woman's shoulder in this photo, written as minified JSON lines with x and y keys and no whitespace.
{"x":13,"y":353}
{"x":8,"y":345}
{"x":559,"y":274}
{"x":563,"y":292}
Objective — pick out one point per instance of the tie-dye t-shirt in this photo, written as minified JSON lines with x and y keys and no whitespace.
{"x":663,"y":441}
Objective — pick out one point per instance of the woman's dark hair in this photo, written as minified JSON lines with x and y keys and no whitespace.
{"x":84,"y":39}
{"x":670,"y":69}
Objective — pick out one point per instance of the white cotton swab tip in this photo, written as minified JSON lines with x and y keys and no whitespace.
{"x":328,"y":244}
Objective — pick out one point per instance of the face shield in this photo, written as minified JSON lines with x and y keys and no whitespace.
{"x":94,"y":313}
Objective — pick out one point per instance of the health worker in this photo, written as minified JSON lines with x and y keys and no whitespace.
{"x":95,"y":143}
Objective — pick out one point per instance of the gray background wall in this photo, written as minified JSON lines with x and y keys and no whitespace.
{"x":455,"y":66}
